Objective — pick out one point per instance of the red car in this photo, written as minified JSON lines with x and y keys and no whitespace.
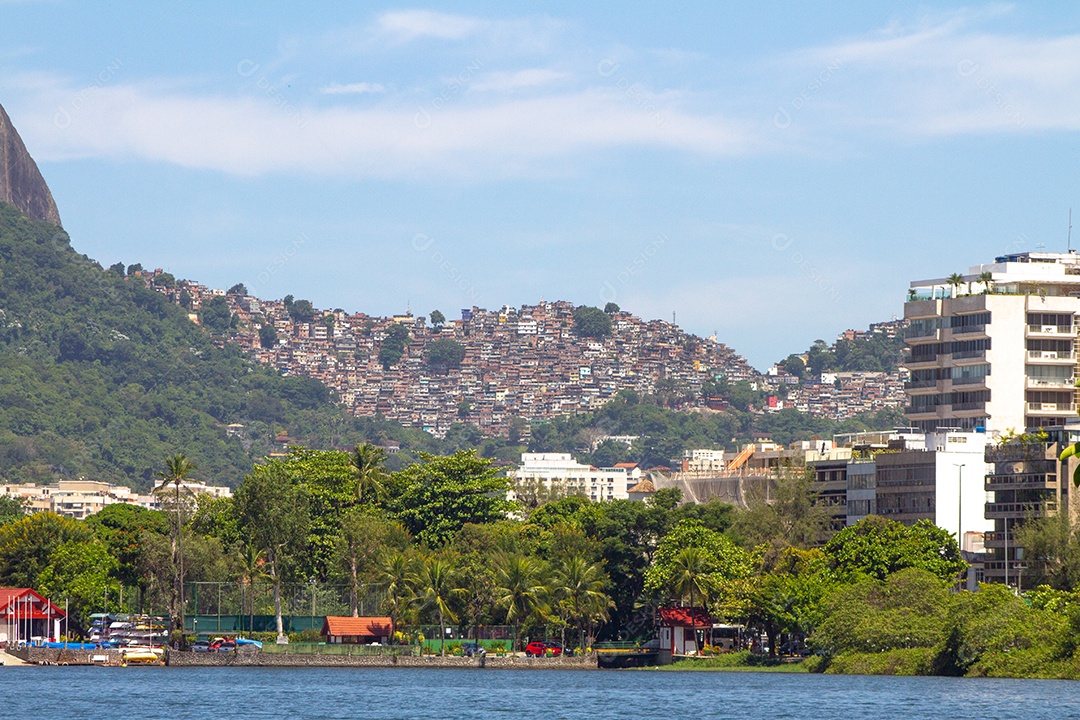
{"x":538,"y":648}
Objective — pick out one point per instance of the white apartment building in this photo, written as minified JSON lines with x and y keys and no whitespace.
{"x":80,"y":499}
{"x":998,"y":351}
{"x":561,"y":469}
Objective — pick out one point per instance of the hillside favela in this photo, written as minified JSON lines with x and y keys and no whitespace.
{"x":334,"y":373}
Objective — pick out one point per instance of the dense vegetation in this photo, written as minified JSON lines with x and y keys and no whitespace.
{"x":101,"y":377}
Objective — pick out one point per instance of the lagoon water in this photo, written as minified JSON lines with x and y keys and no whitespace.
{"x":70,"y":693}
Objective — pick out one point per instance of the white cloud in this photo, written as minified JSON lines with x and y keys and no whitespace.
{"x":359,"y":88}
{"x":510,"y":81}
{"x":446,"y":136}
{"x":408,"y":25}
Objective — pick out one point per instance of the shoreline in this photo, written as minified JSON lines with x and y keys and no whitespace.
{"x":184,"y":658}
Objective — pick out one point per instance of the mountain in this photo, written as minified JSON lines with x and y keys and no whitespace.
{"x":21,"y":183}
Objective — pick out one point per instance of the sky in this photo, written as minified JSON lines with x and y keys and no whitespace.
{"x":773,"y":173}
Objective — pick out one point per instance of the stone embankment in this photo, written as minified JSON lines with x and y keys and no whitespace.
{"x":58,"y":656}
{"x":176,"y":658}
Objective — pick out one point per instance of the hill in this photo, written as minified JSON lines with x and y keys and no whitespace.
{"x":102,"y":377}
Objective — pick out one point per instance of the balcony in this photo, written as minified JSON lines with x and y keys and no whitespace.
{"x":1042,"y":481}
{"x":969,"y":330}
{"x":981,"y":380}
{"x":1017,"y":451}
{"x":1061,"y":383}
{"x":1012,"y":510}
{"x":961,"y":407}
{"x":921,"y":384}
{"x":997,"y":539}
{"x":1042,"y":407}
{"x":968,"y":354}
{"x":1051,"y":330}
{"x":922,"y":409}
{"x":922,"y":334}
{"x":1052,"y":355}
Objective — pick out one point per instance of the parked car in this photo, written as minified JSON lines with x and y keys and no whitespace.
{"x":536,"y":648}
{"x":228,"y":646}
{"x":201,"y":646}
{"x":557,"y":649}
{"x":471,"y":649}
{"x":539,"y":648}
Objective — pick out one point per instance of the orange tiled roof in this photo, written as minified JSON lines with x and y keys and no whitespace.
{"x":357,"y":626}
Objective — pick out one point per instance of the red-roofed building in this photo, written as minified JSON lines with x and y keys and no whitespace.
{"x":25,"y":614}
{"x":682,"y":629}
{"x":356,"y":630}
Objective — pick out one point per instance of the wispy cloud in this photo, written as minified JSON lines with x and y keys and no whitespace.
{"x":360,"y":88}
{"x":408,"y":25}
{"x":510,"y":81}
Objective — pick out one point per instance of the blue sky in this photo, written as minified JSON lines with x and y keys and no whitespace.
{"x":772,"y":172}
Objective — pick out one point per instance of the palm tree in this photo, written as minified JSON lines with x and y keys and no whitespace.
{"x":397,"y":577}
{"x":693,"y":574}
{"x":911,"y":294}
{"x":368,"y":471}
{"x":519,"y":589}
{"x":987,"y":280}
{"x":581,"y":586}
{"x":955,"y":280}
{"x":177,"y":470}
{"x":436,"y":585}
{"x":252,"y":560}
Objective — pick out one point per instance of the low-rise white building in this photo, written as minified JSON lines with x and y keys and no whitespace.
{"x":560,"y":469}
{"x":80,"y":499}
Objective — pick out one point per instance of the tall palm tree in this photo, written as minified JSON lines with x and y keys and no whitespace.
{"x":987,"y":280}
{"x":397,"y":577}
{"x":177,"y":470}
{"x":436,"y":584}
{"x":252,"y":560}
{"x":368,"y":472}
{"x":693,"y":574}
{"x":955,"y":280}
{"x":519,"y":589}
{"x":582,"y":585}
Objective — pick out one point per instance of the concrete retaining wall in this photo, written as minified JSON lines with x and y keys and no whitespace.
{"x":57,"y":656}
{"x":176,"y":658}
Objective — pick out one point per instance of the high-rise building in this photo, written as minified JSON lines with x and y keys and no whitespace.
{"x":995,"y":349}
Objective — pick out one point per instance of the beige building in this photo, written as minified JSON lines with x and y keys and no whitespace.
{"x":997,"y":351}
{"x":80,"y":499}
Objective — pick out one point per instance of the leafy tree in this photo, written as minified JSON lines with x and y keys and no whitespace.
{"x":177,"y":471}
{"x":794,"y":365}
{"x":302,"y":311}
{"x":215,"y":315}
{"x":117,"y":268}
{"x":397,"y":577}
{"x":274,"y":518}
{"x":364,"y":537}
{"x":121,"y":527}
{"x":791,"y":518}
{"x":437,"y":496}
{"x":165,"y":280}
{"x":611,"y":308}
{"x":437,"y":319}
{"x":238,"y":289}
{"x":11,"y":508}
{"x":393,"y":345}
{"x":520,"y":590}
{"x":879,"y":547}
{"x":27,"y":546}
{"x":369,"y":473}
{"x":580,"y":585}
{"x":436,"y":585}
{"x":442,"y":355}
{"x":268,"y":336}
{"x":1051,"y":551}
{"x":693,"y":562}
{"x":135,"y":268}
{"x":592,"y":322}
{"x":82,"y":573}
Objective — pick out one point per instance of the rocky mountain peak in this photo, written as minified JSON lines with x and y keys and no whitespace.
{"x":21,"y":183}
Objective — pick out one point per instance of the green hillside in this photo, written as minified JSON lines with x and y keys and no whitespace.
{"x":103,"y":378}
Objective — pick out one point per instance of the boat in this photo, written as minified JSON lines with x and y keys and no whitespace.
{"x":611,"y":655}
{"x":142,"y":656}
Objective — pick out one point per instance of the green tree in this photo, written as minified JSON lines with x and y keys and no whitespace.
{"x":215,"y":315}
{"x":443,"y":355}
{"x":268,"y":336}
{"x":177,"y":471}
{"x":238,"y":289}
{"x":520,"y":590}
{"x":955,"y":281}
{"x":694,"y":562}
{"x":121,"y":527}
{"x":437,"y":319}
{"x":27,"y":545}
{"x":80,"y":572}
{"x":580,"y":585}
{"x":11,"y":508}
{"x":791,"y":517}
{"x":302,"y":311}
{"x":987,"y":280}
{"x":611,"y":308}
{"x":393,"y":345}
{"x":397,"y":577}
{"x":274,"y":517}
{"x":369,"y":472}
{"x":363,"y":539}
{"x":436,"y":586}
{"x":592,"y":322}
{"x":879,"y":547}
{"x":438,"y":495}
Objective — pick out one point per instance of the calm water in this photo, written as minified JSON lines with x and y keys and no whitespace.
{"x":55,"y":693}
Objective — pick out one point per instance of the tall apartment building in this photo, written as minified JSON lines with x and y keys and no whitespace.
{"x":998,"y":351}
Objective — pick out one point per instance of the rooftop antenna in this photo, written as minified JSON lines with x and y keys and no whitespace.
{"x":1070,"y":231}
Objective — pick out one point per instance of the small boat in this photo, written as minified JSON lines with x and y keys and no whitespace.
{"x":140,"y":657}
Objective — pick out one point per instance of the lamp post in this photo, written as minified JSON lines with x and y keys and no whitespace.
{"x":960,"y":503}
